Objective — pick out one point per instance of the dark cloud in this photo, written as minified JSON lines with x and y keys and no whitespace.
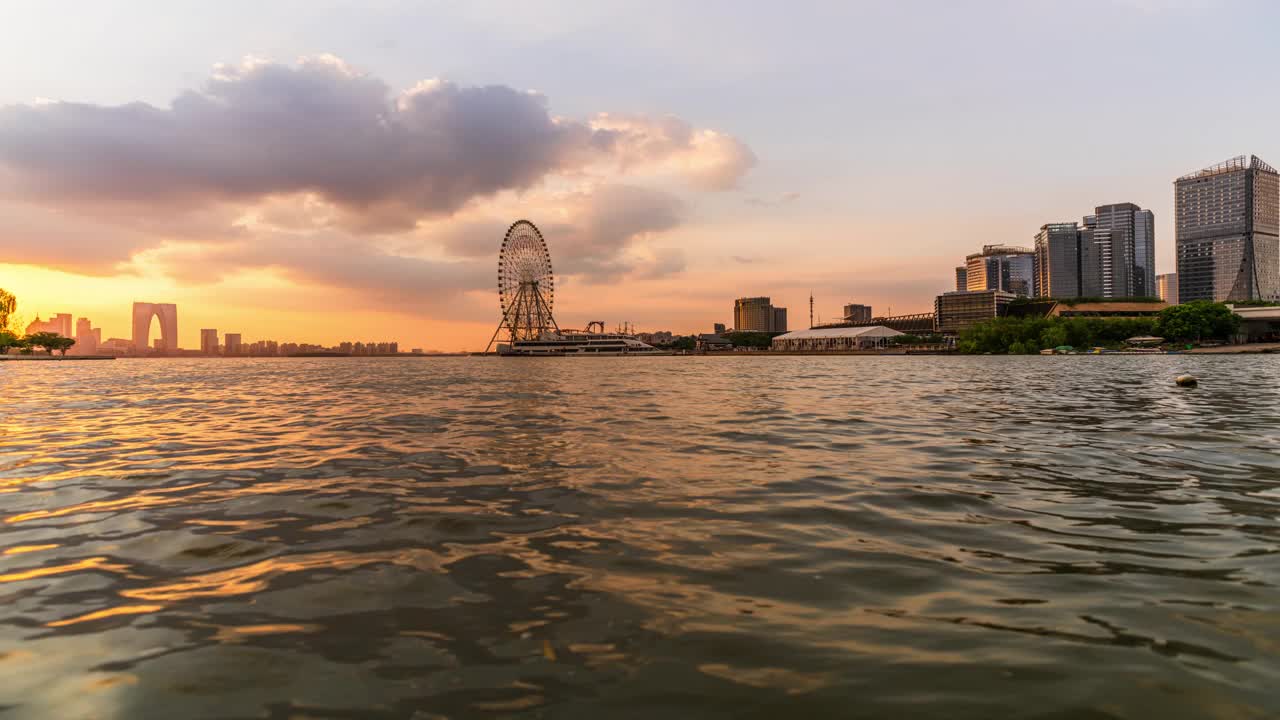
{"x":266,"y":129}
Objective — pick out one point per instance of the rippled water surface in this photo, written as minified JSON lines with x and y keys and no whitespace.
{"x":900,"y":537}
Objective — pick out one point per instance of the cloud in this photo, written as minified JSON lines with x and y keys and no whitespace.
{"x":592,"y":232}
{"x":263,"y":129}
{"x":708,"y":159}
{"x":609,"y":221}
{"x":600,"y":235}
{"x":322,"y":176}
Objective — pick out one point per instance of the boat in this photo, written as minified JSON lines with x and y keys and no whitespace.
{"x":579,"y":343}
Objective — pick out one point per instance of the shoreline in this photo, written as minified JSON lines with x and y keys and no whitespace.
{"x":53,"y":358}
{"x":1246,"y":349}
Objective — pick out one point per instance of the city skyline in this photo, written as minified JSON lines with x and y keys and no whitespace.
{"x":713,"y":186}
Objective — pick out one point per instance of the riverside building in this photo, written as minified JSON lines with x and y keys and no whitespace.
{"x":1228,"y":232}
{"x":1110,"y":256}
{"x":1001,"y":267}
{"x":1117,"y":255}
{"x":1058,"y":260}
{"x":955,"y":311}
{"x":757,"y":314}
{"x":835,"y":339}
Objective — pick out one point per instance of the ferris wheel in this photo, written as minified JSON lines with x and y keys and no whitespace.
{"x":526,"y":284}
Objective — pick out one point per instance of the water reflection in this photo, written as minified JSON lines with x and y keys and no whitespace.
{"x":1039,"y":537}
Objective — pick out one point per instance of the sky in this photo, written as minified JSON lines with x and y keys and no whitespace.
{"x":318,"y":171}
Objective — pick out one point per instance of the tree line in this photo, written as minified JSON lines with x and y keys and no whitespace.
{"x":47,"y":341}
{"x":1193,"y":322}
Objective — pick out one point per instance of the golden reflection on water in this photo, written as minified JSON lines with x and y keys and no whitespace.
{"x":93,"y":563}
{"x":19,"y":549}
{"x":256,"y":576}
{"x":241,"y":633}
{"x":106,"y":613}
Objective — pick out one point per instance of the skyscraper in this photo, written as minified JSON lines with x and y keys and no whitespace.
{"x":1002,"y":267}
{"x":1058,"y":260}
{"x":87,"y":337}
{"x":962,"y":281}
{"x":1167,"y":287}
{"x":1117,"y":253}
{"x":209,"y":341}
{"x":1228,"y":232}
{"x":757,"y":314}
{"x":231,"y":342}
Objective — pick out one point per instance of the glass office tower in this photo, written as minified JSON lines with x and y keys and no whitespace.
{"x":1228,"y":232}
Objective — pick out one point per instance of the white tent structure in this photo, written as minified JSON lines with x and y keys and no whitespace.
{"x":872,"y":337}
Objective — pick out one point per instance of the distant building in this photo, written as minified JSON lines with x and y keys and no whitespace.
{"x":1228,"y":232}
{"x":757,"y":314}
{"x":231,"y":344}
{"x":88,"y":338}
{"x":962,"y":278}
{"x":1167,"y":287}
{"x":719,"y":328}
{"x":661,"y":337}
{"x":209,"y":341}
{"x":956,"y":311}
{"x":835,"y":339}
{"x":60,"y":324}
{"x":1117,"y":252}
{"x":857,"y":314}
{"x":707,"y":342}
{"x":1002,"y":267}
{"x":1058,"y":260}
{"x":168,"y":315}
{"x":116,"y":345}
{"x":1109,"y":309}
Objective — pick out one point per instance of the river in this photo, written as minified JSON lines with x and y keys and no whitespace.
{"x":865,"y":537}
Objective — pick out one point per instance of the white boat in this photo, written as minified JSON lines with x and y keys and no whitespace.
{"x":575,"y":343}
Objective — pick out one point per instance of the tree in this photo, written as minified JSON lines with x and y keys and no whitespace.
{"x":63,"y":344}
{"x":50,"y":342}
{"x":1029,"y":335}
{"x":8,"y":340}
{"x":8,"y":303}
{"x":751,"y":339}
{"x":1198,"y":320}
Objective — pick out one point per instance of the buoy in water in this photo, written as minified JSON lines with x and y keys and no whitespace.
{"x":1186,"y":381}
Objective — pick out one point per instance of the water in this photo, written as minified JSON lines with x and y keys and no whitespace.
{"x":1064,"y":537}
